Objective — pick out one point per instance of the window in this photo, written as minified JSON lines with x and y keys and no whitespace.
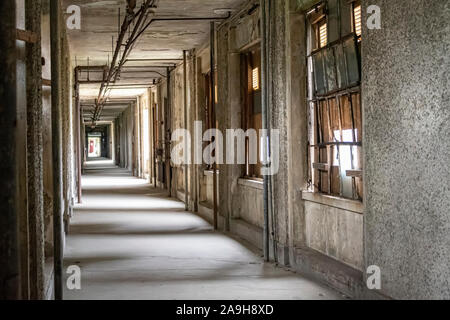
{"x":323,"y":34}
{"x":357,"y":19}
{"x":251,"y":108}
{"x":335,"y":122}
{"x":208,"y":121}
{"x":255,"y":79}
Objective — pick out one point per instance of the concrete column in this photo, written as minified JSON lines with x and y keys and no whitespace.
{"x":166,"y":133}
{"x":185,"y":113}
{"x":233,"y":115}
{"x":9,"y":251}
{"x":151,"y":174}
{"x":199,"y":114}
{"x":277,"y":106}
{"x":406,"y":116}
{"x":78,"y":138}
{"x":297,"y":115}
{"x":141,"y":138}
{"x":192,"y":117}
{"x":65,"y":115}
{"x":21,"y":148}
{"x":35,"y":152}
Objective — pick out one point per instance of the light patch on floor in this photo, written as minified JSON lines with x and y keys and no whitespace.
{"x":133,"y":242}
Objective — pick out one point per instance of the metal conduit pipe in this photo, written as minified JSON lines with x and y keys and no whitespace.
{"x":78,"y":133}
{"x":168,"y":122}
{"x":265,"y":122}
{"x":182,"y":19}
{"x":113,"y":70}
{"x":269,"y":100}
{"x":55,"y":41}
{"x":186,"y":197}
{"x":213,"y":107}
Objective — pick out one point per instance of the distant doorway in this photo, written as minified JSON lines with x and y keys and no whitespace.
{"x":94,"y":146}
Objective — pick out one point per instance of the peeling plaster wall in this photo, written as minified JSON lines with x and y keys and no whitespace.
{"x":406,"y":118}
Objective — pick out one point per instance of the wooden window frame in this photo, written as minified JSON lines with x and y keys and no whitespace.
{"x":208,"y":121}
{"x":250,"y":60}
{"x":330,"y":110}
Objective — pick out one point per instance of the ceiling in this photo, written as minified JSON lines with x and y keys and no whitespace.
{"x":93,"y":44}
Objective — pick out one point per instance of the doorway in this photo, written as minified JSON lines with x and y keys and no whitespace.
{"x":94,"y":146}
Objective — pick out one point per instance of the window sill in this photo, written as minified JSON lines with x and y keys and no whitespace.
{"x":252,"y":183}
{"x":210,"y":172}
{"x":332,"y":201}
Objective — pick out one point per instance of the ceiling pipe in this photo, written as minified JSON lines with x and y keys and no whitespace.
{"x":156,"y":60}
{"x":113,"y":70}
{"x":183,"y":19}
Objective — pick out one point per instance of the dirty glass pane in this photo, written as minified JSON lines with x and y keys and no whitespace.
{"x":352,"y":61}
{"x":319,"y":74}
{"x":333,"y":20}
{"x":330,"y":66}
{"x":346,"y":17}
{"x":345,"y":164}
{"x":340,"y":66}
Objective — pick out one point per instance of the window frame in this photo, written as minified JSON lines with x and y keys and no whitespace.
{"x":316,"y":143}
{"x":250,"y":61}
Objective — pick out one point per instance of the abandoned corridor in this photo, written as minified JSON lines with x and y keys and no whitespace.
{"x":332,"y":180}
{"x":133,"y":242}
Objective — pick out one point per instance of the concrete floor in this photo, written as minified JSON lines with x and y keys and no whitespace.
{"x":132,"y":242}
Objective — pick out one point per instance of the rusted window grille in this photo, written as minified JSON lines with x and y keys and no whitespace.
{"x":334,"y":96}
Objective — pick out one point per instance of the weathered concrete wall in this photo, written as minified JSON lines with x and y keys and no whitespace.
{"x":47,"y":131}
{"x":237,"y":201}
{"x":249,"y":206}
{"x":336,"y":232}
{"x":178,"y":122}
{"x":21,"y":155}
{"x":206,"y":188}
{"x":161,"y":98}
{"x":35,"y":245}
{"x":406,"y":118}
{"x":67,"y":127}
{"x":9,"y":246}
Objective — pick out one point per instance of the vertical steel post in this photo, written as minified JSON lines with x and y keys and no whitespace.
{"x":213,"y":108}
{"x":167,"y":126}
{"x":55,"y":42}
{"x":265,"y":122}
{"x":78,"y":134}
{"x":186,"y":146}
